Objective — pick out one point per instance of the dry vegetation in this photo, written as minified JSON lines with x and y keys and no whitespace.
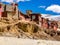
{"x":25,"y":29}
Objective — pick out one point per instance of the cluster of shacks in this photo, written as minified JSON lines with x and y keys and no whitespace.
{"x":11,"y":11}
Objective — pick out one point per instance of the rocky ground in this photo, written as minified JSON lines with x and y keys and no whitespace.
{"x":26,"y":30}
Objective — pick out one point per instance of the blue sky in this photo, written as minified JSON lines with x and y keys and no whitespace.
{"x":40,"y":6}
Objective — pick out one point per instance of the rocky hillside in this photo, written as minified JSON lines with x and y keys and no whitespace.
{"x":26,"y":29}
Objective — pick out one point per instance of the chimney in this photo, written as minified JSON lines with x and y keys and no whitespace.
{"x":28,"y":12}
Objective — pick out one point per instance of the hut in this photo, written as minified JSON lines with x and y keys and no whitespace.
{"x":24,"y":17}
{"x":35,"y":17}
{"x":9,"y":10}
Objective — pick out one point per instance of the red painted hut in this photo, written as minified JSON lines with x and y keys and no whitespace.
{"x":0,"y":10}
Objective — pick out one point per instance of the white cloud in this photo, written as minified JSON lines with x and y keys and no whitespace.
{"x":54,"y":8}
{"x":7,"y":0}
{"x":51,"y":17}
{"x":10,"y":1}
{"x":22,"y":0}
{"x":42,"y":7}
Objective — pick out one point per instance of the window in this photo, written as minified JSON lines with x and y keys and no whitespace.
{"x":33,"y":17}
